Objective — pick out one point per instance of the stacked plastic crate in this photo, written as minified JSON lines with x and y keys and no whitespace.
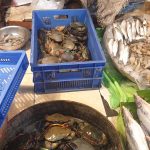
{"x":66,"y":76}
{"x":12,"y":69}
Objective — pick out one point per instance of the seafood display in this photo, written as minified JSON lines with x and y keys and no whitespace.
{"x":61,"y":132}
{"x":134,"y":133}
{"x":128,"y":43}
{"x":64,"y":44}
{"x":143,"y":112}
{"x":107,"y":10}
{"x":11,"y":40}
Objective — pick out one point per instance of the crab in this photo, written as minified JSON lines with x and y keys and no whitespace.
{"x":57,"y":118}
{"x":68,"y":146}
{"x":67,"y":57}
{"x":78,"y":26}
{"x":55,"y":133}
{"x":90,"y":134}
{"x":79,"y":30}
{"x":56,"y":36}
{"x":69,"y":44}
{"x":48,"y":60}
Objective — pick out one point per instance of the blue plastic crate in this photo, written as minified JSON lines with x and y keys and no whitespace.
{"x":67,"y":85}
{"x":65,"y":71}
{"x":12,"y":69}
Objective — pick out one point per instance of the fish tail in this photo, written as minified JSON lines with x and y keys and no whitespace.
{"x":127,"y":115}
{"x":138,"y":101}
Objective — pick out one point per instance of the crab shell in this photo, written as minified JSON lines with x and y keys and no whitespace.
{"x":57,"y":133}
{"x":57,"y":118}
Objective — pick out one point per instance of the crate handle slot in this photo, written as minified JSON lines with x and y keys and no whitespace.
{"x":60,"y":17}
{"x":47,"y":20}
{"x":68,"y":70}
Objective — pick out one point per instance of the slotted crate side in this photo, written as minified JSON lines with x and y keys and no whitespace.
{"x":10,"y":90}
{"x":10,"y":58}
{"x":68,"y":85}
{"x":65,"y":74}
{"x":56,"y":71}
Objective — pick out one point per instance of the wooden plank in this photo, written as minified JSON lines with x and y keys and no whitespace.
{"x":26,"y":24}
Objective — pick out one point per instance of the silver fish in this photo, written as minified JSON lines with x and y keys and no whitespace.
{"x":123,"y":27}
{"x":138,"y":24}
{"x":144,"y":22}
{"x":145,"y":27}
{"x":135,"y":135}
{"x":110,"y":45}
{"x":146,"y":135}
{"x":148,"y":31}
{"x":138,"y":37}
{"x":141,"y":30}
{"x":121,"y":48}
{"x":115,"y":48}
{"x":117,"y":34}
{"x":145,"y":30}
{"x":143,"y":112}
{"x":129,"y":31}
{"x":125,"y":54}
{"x":133,"y":29}
{"x":115,"y":25}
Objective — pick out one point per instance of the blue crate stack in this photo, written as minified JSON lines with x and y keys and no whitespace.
{"x":66,"y":76}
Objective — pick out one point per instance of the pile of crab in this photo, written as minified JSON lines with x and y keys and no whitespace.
{"x":64,"y":44}
{"x":65,"y":132}
{"x":59,"y":132}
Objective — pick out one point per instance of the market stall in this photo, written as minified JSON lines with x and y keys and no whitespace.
{"x":81,"y":81}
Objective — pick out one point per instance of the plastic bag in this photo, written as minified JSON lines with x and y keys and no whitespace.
{"x":48,"y":4}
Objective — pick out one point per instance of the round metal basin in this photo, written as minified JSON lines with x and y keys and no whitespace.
{"x":13,"y":37}
{"x":74,"y":109}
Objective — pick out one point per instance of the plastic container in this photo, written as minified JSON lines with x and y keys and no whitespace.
{"x":12,"y":69}
{"x":65,"y":71}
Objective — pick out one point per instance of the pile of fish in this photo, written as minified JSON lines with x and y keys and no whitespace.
{"x":64,"y":44}
{"x":128,"y":44}
{"x":11,"y":40}
{"x":138,"y":137}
